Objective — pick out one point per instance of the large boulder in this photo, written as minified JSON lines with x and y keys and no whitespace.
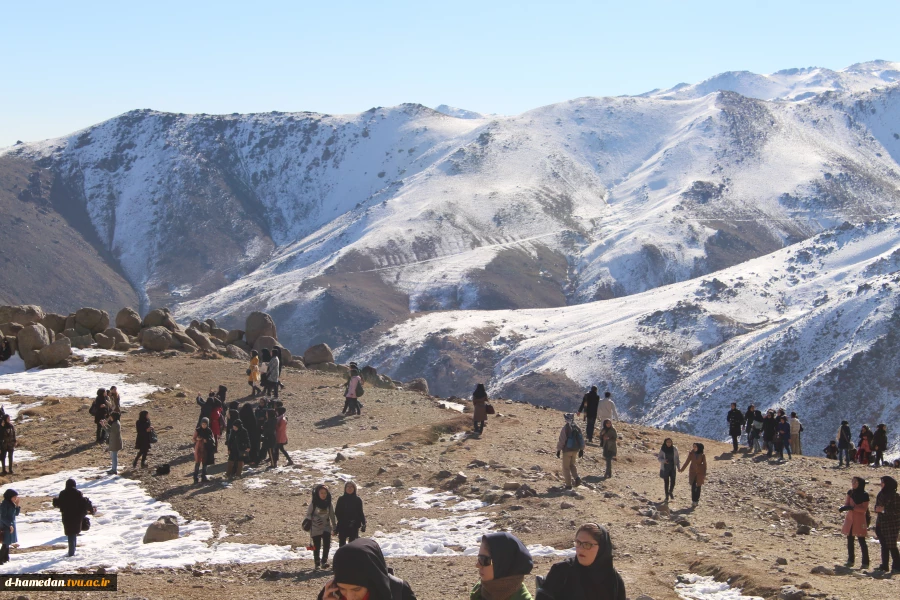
{"x":163,"y":529}
{"x":183,"y":338}
{"x":259,"y":324}
{"x":92,"y":319}
{"x":201,"y":340}
{"x":234,"y":335}
{"x":156,"y":338}
{"x":265,"y":341}
{"x":320,"y":353}
{"x":56,"y":352}
{"x":242,"y":345}
{"x":219,"y":333}
{"x":104,"y":341}
{"x":370,"y":375}
{"x":30,"y":340}
{"x":211,"y":323}
{"x":234,"y":352}
{"x":129,"y":321}
{"x":417,"y":385}
{"x":82,"y":341}
{"x":54,"y":322}
{"x":25,"y":314}
{"x":116,"y":334}
{"x":10,"y":329}
{"x":160,"y":317}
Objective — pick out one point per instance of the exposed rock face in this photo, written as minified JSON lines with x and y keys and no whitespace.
{"x":116,"y":334}
{"x":201,"y":340}
{"x":234,"y":352}
{"x":259,"y":324}
{"x":129,"y":321}
{"x":10,"y":329}
{"x":162,"y":530}
{"x":30,"y":340}
{"x":234,"y":335}
{"x":54,"y":322}
{"x":56,"y":352}
{"x":218,"y":333}
{"x":92,"y":319}
{"x":419,"y":385}
{"x":104,"y":341}
{"x":25,"y":314}
{"x":156,"y":338}
{"x":318,"y":354}
{"x":265,"y":341}
{"x":160,"y":317}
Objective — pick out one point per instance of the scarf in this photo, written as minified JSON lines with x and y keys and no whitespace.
{"x":318,"y":502}
{"x":361,"y":562}
{"x":859,"y":495}
{"x":887,"y":492}
{"x":669,"y":451}
{"x":501,"y":589}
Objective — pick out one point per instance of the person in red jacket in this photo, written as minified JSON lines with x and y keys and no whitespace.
{"x":281,"y":436}
{"x":856,"y":505}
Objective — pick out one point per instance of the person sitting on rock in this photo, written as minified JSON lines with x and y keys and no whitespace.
{"x":503,"y":562}
{"x":361,"y":573}
{"x":589,"y":574}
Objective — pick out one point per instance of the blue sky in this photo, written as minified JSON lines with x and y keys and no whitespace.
{"x":67,"y":65}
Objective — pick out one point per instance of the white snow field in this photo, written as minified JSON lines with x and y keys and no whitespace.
{"x":699,"y":587}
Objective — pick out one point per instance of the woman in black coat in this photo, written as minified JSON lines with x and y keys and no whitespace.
{"x":74,"y":508}
{"x":238,"y":448}
{"x":267,"y":447}
{"x":887,"y":523}
{"x":248,"y":418}
{"x":349,"y":514}
{"x":100,"y":409}
{"x":142,"y":439}
{"x":590,"y":575}
{"x":360,"y":572}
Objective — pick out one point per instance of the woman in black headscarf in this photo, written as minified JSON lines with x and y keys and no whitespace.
{"x":856,"y":505}
{"x":361,"y":573}
{"x":887,"y":523}
{"x":590,"y":575}
{"x":349,"y":514}
{"x":668,"y":467}
{"x":248,"y":418}
{"x":503,"y":563}
{"x":479,"y":412}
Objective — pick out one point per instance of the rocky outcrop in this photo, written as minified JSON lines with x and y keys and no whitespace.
{"x":56,"y":353}
{"x":54,"y":322}
{"x":234,"y":352}
{"x":156,"y":338}
{"x":92,"y":319}
{"x":30,"y":340}
{"x":160,"y":317}
{"x":265,"y":341}
{"x":201,"y":340}
{"x":162,"y":530}
{"x":234,"y":335}
{"x":417,"y":385}
{"x":129,"y":321}
{"x":259,"y":324}
{"x":219,"y":333}
{"x":318,"y":354}
{"x":25,"y":314}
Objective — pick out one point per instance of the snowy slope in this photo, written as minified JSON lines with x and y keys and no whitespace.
{"x":813,"y":328}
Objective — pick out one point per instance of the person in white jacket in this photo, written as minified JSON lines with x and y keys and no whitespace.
{"x":796,"y":428}
{"x":606,"y":409}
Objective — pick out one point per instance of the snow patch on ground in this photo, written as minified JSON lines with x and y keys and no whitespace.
{"x":425,"y":498}
{"x":452,"y":405}
{"x":88,"y":353}
{"x":699,"y":587}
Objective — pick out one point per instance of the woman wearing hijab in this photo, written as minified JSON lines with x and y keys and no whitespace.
{"x":7,"y":442}
{"x":267,"y":448}
{"x":879,"y":444}
{"x":697,"y":475}
{"x":114,"y":436}
{"x":321,"y":513}
{"x":590,"y":575}
{"x":479,"y":403}
{"x":253,"y":373}
{"x":74,"y":508}
{"x":887,"y":523}
{"x":503,"y":563}
{"x":248,"y":418}
{"x":864,"y":448}
{"x":142,"y":440}
{"x":9,"y":510}
{"x":856,"y":506}
{"x":5,"y":350}
{"x":349,"y":514}
{"x":204,"y":449}
{"x":608,"y":437}
{"x":360,"y":573}
{"x":668,"y":467}
{"x":238,"y":448}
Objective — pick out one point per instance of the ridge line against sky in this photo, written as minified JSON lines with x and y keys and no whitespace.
{"x":69,"y":66}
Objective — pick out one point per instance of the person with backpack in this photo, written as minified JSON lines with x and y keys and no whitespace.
{"x":100,"y":411}
{"x":570,"y":445}
{"x":668,"y":467}
{"x":143,"y":439}
{"x":735,"y":420}
{"x":9,"y":510}
{"x":74,"y":508}
{"x":8,"y":442}
{"x":479,"y":408}
{"x":608,"y":437}
{"x":503,"y":562}
{"x":590,"y":404}
{"x":204,"y":449}
{"x":606,"y":408}
{"x":864,"y":449}
{"x":361,"y":573}
{"x":844,"y":441}
{"x":253,"y":374}
{"x":796,"y":430}
{"x":756,"y":427}
{"x":349,"y":514}
{"x":856,"y":523}
{"x":113,"y":428}
{"x":697,"y":475}
{"x":281,"y":437}
{"x":238,"y":449}
{"x":887,"y":523}
{"x":352,"y":393}
{"x":589,"y":575}
{"x":322,"y":522}
{"x":879,"y":444}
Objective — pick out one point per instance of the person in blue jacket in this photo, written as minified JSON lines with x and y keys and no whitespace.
{"x":9,"y":510}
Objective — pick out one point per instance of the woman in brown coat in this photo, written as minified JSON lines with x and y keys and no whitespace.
{"x":855,"y":526}
{"x":697,"y":475}
{"x":479,"y":400}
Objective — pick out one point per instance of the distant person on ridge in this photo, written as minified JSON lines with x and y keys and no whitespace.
{"x":879,"y":444}
{"x":697,"y":475}
{"x":589,"y":406}
{"x":796,"y":430}
{"x":668,"y":467}
{"x":351,"y":394}
{"x":608,"y":437}
{"x":844,"y":440}
{"x":479,"y":408}
{"x":735,"y":419}
{"x":606,"y":408}
{"x":570,"y":445}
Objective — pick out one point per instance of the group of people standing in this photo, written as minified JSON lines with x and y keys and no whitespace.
{"x":256,"y":434}
{"x":887,"y":522}
{"x":324,"y":519}
{"x":269,"y":376}
{"x":107,"y":412}
{"x":775,"y":431}
{"x":869,"y":449}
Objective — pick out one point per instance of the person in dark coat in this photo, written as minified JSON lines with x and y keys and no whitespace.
{"x":831,"y":450}
{"x":7,"y":442}
{"x":887,"y":523}
{"x":206,"y":406}
{"x":233,"y":416}
{"x":589,"y":575}
{"x":844,"y":440}
{"x":668,"y":467}
{"x":479,"y":412}
{"x":100,"y":410}
{"x":142,"y":438}
{"x":783,"y":430}
{"x":74,"y":508}
{"x":503,"y":563}
{"x":251,"y":425}
{"x":9,"y":510}
{"x":268,"y":446}
{"x":349,"y":514}
{"x":879,"y":444}
{"x":735,"y":419}
{"x":360,"y":573}
{"x":856,"y":505}
{"x":589,"y":404}
{"x":769,"y":431}
{"x":238,"y":448}
{"x":5,"y":350}
{"x":204,"y":449}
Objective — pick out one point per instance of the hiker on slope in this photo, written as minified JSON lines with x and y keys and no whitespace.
{"x":479,"y":408}
{"x":697,"y":475}
{"x":796,"y":430}
{"x":570,"y":445}
{"x":606,"y":408}
{"x":608,"y":437}
{"x":844,"y":440}
{"x":590,"y":403}
{"x":735,"y":421}
{"x":668,"y":467}
{"x":879,"y":444}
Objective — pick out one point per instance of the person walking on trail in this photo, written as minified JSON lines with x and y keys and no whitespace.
{"x":74,"y":508}
{"x":606,"y":408}
{"x":879,"y":444}
{"x":697,"y":475}
{"x":100,"y":411}
{"x":479,"y":408}
{"x":589,"y":574}
{"x":361,"y":573}
{"x":887,"y":523}
{"x":796,"y":430}
{"x":253,"y":374}
{"x":322,"y":523}
{"x":590,"y":404}
{"x":352,"y":394}
{"x":113,"y":428}
{"x":281,"y":437}
{"x":143,"y":439}
{"x":7,"y":442}
{"x":569,"y":446}
{"x":735,"y":419}
{"x":350,"y":516}
{"x":668,"y":467}
{"x":844,"y":441}
{"x":9,"y":510}
{"x":238,"y":449}
{"x":784,"y":437}
{"x":204,"y":449}
{"x":503,"y":562}
{"x":608,"y":437}
{"x":856,"y":505}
